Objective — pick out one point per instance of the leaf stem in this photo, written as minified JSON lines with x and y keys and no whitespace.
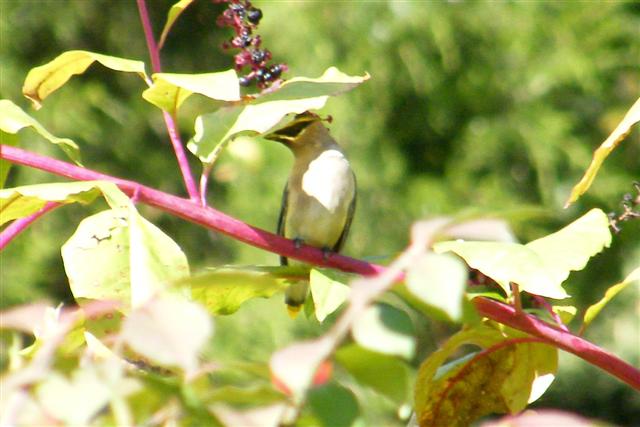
{"x":218,"y":221}
{"x":169,"y":119}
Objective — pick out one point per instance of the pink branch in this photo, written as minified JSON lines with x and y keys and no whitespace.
{"x":154,"y":52}
{"x":19,"y":225}
{"x":218,"y":221}
{"x":169,"y":119}
{"x":562,"y":339}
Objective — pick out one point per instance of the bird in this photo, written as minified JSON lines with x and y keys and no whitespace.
{"x":319,"y":198}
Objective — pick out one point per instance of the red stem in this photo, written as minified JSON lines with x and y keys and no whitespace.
{"x":19,"y":225}
{"x":218,"y":221}
{"x":564,"y":340}
{"x":169,"y":119}
{"x":154,"y":52}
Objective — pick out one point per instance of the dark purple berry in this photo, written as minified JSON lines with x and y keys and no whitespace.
{"x":276,"y":70}
{"x":254,"y":16}
{"x":237,"y":8}
{"x":244,"y":81}
{"x":258,"y":56}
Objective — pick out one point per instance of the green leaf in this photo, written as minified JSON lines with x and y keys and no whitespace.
{"x":541,"y":266}
{"x":595,"y":309}
{"x":79,"y":399}
{"x":155,"y":260}
{"x":214,"y":130}
{"x":46,"y":79}
{"x":225,"y":290}
{"x":20,"y":202}
{"x":96,"y":258}
{"x":5,"y":165}
{"x":503,"y":378}
{"x":169,"y":91}
{"x":333,"y":405}
{"x":74,"y":401}
{"x":170,"y":331}
{"x":332,"y":82}
{"x":175,"y":11}
{"x":619,"y":133}
{"x":328,"y":291}
{"x":118,"y":255}
{"x":13,"y":119}
{"x":387,"y":375}
{"x":254,"y":395}
{"x":439,"y":280}
{"x":385,"y":329}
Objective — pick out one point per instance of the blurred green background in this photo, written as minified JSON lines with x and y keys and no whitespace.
{"x":488,"y":107}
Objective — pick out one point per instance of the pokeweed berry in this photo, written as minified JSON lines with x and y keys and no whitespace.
{"x":244,"y":18}
{"x":254,"y":15}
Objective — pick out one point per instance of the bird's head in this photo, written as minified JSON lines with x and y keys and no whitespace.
{"x":292,"y":133}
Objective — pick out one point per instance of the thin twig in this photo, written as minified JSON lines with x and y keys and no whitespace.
{"x":169,"y":119}
{"x":21,"y":224}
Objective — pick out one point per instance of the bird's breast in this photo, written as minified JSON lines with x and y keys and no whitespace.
{"x":319,"y":200}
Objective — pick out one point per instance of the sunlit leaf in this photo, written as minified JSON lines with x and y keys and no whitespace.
{"x":331,"y":83}
{"x":541,"y":266}
{"x":175,"y":11}
{"x":595,"y":309}
{"x":169,"y":331}
{"x":13,"y":119}
{"x":118,"y":255}
{"x":619,"y":133}
{"x":297,"y":95}
{"x":333,"y":405}
{"x":502,"y":379}
{"x":79,"y":399}
{"x":46,"y":79}
{"x":328,"y":291}
{"x":385,"y":329}
{"x":19,"y":202}
{"x":439,"y":280}
{"x":223,"y":291}
{"x":155,"y":260}
{"x":169,"y":91}
{"x":74,"y":401}
{"x":387,"y":375}
{"x":96,"y":258}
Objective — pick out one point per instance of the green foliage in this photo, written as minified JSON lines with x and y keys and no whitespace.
{"x":458,"y":115}
{"x":13,"y":119}
{"x":539,"y":267}
{"x":509,"y":373}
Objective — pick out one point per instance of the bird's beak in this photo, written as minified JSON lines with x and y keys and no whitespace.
{"x":289,"y":132}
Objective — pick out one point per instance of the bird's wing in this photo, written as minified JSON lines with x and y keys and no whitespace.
{"x":347,"y":225}
{"x":282,"y":219}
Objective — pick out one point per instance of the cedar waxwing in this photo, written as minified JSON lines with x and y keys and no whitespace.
{"x":319,"y":199}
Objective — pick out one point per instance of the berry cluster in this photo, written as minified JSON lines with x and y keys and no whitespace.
{"x":244,"y":18}
{"x":630,"y":209}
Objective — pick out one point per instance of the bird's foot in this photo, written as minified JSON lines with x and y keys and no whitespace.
{"x":325,"y":253}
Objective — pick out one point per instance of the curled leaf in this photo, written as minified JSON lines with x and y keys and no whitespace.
{"x":619,"y":133}
{"x":42,"y":81}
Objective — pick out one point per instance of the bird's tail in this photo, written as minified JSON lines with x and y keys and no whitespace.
{"x":295,"y":296}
